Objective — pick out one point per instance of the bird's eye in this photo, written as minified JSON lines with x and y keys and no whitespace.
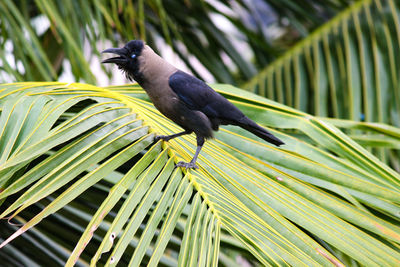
{"x":133,"y":56}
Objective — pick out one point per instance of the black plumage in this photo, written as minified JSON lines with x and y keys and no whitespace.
{"x":184,"y":99}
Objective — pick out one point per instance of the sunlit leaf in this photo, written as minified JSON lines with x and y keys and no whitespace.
{"x":272,"y":201}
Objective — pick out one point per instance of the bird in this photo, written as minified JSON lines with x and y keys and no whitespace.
{"x":181,"y":97}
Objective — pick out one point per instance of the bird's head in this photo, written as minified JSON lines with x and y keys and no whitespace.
{"x":128,"y":58}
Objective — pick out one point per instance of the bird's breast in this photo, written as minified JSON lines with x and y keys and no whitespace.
{"x":163,"y":98}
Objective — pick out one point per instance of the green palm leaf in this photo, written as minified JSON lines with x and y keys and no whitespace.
{"x":318,"y":200}
{"x":347,"y":69}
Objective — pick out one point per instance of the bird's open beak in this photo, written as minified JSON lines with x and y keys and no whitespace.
{"x":116,"y":60}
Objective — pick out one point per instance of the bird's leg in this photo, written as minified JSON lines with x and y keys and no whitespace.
{"x":192,"y":163}
{"x":172,"y":136}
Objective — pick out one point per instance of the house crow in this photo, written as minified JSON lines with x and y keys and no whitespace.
{"x":186,"y":100}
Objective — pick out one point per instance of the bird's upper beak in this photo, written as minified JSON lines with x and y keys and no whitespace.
{"x":118,"y":60}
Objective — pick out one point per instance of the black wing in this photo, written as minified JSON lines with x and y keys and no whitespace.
{"x":197,"y":95}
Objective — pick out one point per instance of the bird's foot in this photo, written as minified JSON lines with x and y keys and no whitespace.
{"x":161,"y":137}
{"x":187,"y":165}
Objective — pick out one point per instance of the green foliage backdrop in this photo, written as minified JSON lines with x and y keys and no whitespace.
{"x":187,"y":26}
{"x":347,"y":69}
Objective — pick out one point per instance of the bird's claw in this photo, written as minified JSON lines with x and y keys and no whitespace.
{"x":187,"y":165}
{"x":161,"y":137}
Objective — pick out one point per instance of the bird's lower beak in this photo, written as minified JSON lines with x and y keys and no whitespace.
{"x":117,"y":60}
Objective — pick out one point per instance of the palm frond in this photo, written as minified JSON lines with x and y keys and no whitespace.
{"x":46,"y":37}
{"x":347,"y":69}
{"x":60,"y":141}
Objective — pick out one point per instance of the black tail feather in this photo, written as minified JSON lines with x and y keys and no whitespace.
{"x":259,"y":131}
